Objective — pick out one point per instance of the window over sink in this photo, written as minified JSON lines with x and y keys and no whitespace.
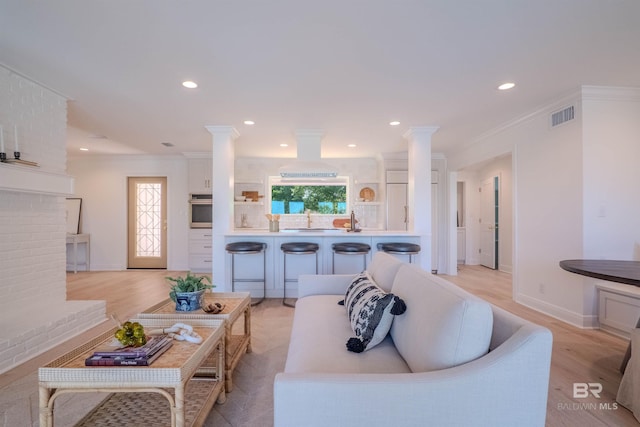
{"x":320,"y":197}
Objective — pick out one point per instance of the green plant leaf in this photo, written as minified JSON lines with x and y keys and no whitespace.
{"x":188,"y":283}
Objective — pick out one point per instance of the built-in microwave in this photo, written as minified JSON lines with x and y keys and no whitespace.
{"x":200,"y":210}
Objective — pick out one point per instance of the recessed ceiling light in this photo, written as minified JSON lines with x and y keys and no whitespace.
{"x":394,"y":123}
{"x":189,"y":84}
{"x":351,"y":145}
{"x":506,"y":86}
{"x":249,"y":122}
{"x":284,"y":145}
{"x":84,"y":149}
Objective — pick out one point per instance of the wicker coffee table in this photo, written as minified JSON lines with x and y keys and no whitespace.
{"x":236,"y":304}
{"x":138,"y":390}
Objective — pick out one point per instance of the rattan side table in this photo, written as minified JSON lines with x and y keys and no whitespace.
{"x":236,"y":304}
{"x":170,"y":376}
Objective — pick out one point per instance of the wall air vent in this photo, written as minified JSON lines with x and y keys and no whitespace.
{"x":562,"y":116}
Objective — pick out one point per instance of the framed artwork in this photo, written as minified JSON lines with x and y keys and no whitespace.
{"x":74,"y":206}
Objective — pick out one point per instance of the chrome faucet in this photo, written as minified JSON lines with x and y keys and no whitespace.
{"x":308,"y":212}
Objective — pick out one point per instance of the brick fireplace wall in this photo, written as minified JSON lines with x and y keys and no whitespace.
{"x":34,"y":312}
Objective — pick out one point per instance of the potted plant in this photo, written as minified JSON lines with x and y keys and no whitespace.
{"x":187,"y":292}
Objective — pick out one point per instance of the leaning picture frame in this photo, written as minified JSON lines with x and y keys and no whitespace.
{"x":73,"y":212}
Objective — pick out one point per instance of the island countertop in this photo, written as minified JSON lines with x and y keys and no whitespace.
{"x":333,"y":233}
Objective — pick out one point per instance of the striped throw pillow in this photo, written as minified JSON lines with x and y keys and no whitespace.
{"x":371,"y":311}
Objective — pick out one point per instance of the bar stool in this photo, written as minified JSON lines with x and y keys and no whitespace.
{"x":249,"y":248}
{"x":296,"y":248}
{"x":400,"y":248}
{"x":349,"y":248}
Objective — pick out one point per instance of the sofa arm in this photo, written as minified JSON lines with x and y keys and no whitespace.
{"x":323,"y":284}
{"x":487,"y":391}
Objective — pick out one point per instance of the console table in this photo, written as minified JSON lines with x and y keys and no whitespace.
{"x":627,"y":272}
{"x":618,"y":303}
{"x":618,"y":291}
{"x":74,"y":239}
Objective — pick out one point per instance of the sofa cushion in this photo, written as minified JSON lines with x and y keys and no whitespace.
{"x":370,"y":311}
{"x":320,"y":329}
{"x":383,"y":269}
{"x":443,"y":326}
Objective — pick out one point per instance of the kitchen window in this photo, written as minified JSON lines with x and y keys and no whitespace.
{"x":329,"y":198}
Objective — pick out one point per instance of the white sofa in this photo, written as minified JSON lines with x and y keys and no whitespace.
{"x":451,"y":359}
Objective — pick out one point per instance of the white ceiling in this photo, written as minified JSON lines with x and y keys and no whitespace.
{"x":345,"y":66}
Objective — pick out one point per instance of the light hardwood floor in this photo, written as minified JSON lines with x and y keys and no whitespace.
{"x":578,"y":355}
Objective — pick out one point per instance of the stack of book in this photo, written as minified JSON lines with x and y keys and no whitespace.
{"x":131,"y":356}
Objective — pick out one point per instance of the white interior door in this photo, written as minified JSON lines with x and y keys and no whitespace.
{"x":489,"y":222}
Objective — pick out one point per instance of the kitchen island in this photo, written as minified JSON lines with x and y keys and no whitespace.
{"x":251,"y":266}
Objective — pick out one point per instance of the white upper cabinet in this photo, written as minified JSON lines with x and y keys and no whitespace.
{"x":200,"y":175}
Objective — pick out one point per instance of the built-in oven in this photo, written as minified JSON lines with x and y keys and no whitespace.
{"x":200,"y":210}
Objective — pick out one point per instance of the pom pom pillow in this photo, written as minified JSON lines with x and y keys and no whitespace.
{"x":371,"y":311}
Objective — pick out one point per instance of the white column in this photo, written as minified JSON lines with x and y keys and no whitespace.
{"x":223,"y":181}
{"x":419,"y":188}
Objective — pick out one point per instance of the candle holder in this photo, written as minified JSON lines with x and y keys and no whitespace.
{"x":16,"y":155}
{"x":3,"y":157}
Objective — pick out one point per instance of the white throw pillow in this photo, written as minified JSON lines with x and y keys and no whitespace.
{"x":371,"y":312}
{"x":383,"y":269}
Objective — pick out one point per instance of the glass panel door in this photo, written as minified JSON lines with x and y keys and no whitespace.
{"x":147,"y":224}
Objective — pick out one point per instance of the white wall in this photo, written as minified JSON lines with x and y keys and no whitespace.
{"x":34,"y":312}
{"x":575,"y":194}
{"x":101,"y":182}
{"x":611,"y":199}
{"x":548,"y":216}
{"x":611,"y":155}
{"x":32,"y":226}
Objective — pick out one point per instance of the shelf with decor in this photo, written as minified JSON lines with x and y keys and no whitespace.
{"x":367,"y":204}
{"x":366,"y":192}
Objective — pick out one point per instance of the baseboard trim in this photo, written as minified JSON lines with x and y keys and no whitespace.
{"x":576,"y":319}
